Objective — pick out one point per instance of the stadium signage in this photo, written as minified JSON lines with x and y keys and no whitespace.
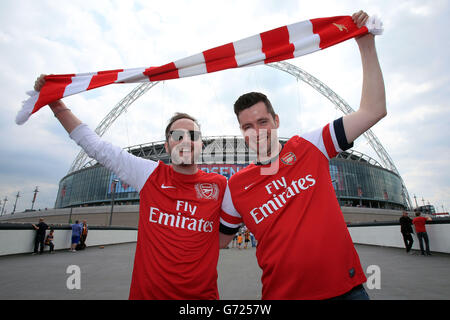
{"x":226,"y":170}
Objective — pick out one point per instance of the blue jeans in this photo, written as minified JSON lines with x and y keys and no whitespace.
{"x":423,"y":236}
{"x":357,"y":293}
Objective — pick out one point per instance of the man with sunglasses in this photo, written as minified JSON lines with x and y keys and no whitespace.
{"x":178,"y":236}
{"x":304,"y":248}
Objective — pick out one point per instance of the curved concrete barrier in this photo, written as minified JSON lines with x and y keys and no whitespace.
{"x":388,"y":235}
{"x":19,"y":238}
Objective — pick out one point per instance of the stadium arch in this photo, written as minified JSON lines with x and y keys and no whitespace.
{"x":81,"y":160}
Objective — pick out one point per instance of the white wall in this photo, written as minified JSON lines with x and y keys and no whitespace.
{"x":390,"y":236}
{"x":22,"y":241}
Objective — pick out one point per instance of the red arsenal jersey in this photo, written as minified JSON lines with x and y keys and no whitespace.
{"x":304,"y":247}
{"x":178,"y":240}
{"x":419,"y":223}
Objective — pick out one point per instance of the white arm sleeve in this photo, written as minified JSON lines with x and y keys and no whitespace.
{"x":128,"y":168}
{"x":230,"y":217}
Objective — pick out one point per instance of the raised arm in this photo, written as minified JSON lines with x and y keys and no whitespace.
{"x":128,"y":168}
{"x":373,"y":98}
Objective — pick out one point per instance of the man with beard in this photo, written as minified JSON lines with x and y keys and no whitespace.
{"x":178,"y":236}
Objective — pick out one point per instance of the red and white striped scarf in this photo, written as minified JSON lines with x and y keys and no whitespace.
{"x":275,"y":45}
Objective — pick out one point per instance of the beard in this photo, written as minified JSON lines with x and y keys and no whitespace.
{"x":183,"y":154}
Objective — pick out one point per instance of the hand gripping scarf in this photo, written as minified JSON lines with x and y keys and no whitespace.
{"x":275,"y":45}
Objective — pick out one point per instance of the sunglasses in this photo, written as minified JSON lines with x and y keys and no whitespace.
{"x":178,"y":135}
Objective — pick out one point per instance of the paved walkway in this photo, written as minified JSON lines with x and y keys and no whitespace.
{"x":106,"y":274}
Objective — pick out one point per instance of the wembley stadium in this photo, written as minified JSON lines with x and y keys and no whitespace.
{"x":368,"y":190}
{"x":358,"y":180}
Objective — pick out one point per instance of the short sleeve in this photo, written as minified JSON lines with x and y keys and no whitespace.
{"x":128,"y":168}
{"x":330,"y":139}
{"x":230,"y":219}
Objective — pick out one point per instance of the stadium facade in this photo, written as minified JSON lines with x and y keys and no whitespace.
{"x":358,"y":180}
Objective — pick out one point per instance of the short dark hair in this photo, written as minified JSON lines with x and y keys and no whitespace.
{"x":249,"y":99}
{"x":177,"y":116}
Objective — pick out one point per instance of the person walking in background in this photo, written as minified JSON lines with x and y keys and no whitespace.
{"x":84,"y":233}
{"x":419,"y":222}
{"x":239,"y":241}
{"x":252,"y":238}
{"x":234,"y":241}
{"x":406,"y":230}
{"x":41,"y":228}
{"x":76,"y":233}
{"x":49,"y":241}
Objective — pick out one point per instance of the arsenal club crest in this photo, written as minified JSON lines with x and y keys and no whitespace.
{"x":207,"y":191}
{"x":289,"y":158}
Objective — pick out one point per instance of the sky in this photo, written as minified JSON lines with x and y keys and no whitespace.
{"x":49,"y":36}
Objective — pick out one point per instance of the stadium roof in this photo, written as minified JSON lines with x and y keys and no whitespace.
{"x":225,"y":145}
